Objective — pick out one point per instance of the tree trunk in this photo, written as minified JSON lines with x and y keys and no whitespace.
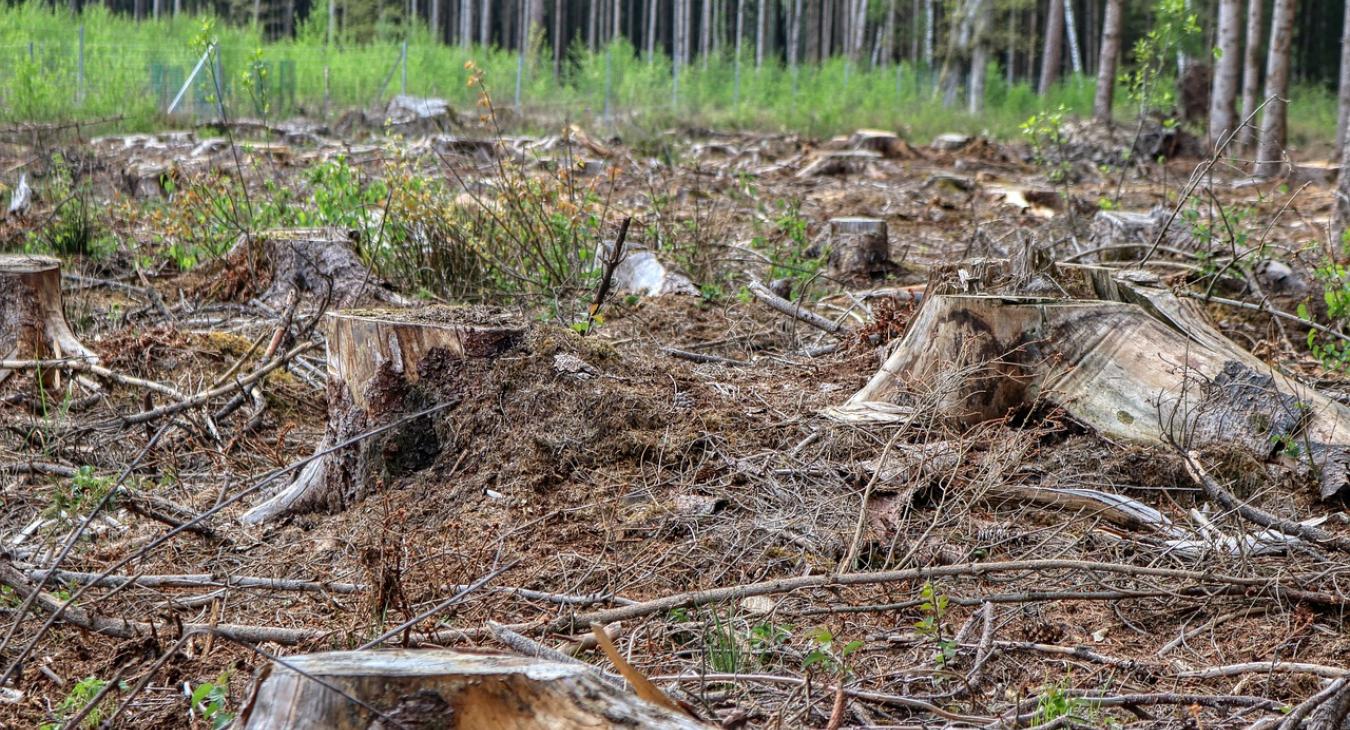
{"x":1054,"y":46}
{"x":1106,"y":63}
{"x":761,"y":20}
{"x":1340,"y":223}
{"x":382,"y":367}
{"x":32,"y":322}
{"x":1251,"y":72}
{"x":1343,"y":118}
{"x":651,"y":29}
{"x":435,"y":20}
{"x":1071,"y":30}
{"x":811,"y":27}
{"x":891,"y":50}
{"x":1223,"y":98}
{"x":1274,"y":120}
{"x":442,"y":689}
{"x":928,"y":33}
{"x":705,"y":31}
{"x":979,"y":53}
{"x":485,"y":24}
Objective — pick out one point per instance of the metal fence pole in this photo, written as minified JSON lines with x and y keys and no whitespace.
{"x":79,"y":69}
{"x":608,"y":79}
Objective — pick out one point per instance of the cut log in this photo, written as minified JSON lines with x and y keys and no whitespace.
{"x":420,"y":690}
{"x":1136,"y":364}
{"x":32,"y":323}
{"x":839,"y":162}
{"x":321,"y":263}
{"x":384,"y":366}
{"x":859,"y":249}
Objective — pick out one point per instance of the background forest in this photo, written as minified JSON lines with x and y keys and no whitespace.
{"x":810,"y":65}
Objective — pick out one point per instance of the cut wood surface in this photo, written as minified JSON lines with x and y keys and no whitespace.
{"x":321,"y":263}
{"x":360,"y":690}
{"x":378,"y":361}
{"x":32,"y":322}
{"x":1136,"y":364}
{"x":859,"y":249}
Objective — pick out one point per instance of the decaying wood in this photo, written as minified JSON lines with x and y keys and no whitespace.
{"x":383,"y":364}
{"x":32,"y":323}
{"x":432,"y":689}
{"x":1132,"y":361}
{"x":321,"y":263}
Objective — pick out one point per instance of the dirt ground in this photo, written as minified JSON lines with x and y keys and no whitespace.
{"x":647,"y":474}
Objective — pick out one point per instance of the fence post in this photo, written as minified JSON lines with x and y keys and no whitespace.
{"x":608,"y":76}
{"x":403,"y":59}
{"x":79,"y":69}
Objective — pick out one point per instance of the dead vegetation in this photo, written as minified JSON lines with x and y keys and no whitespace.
{"x":1033,"y":515}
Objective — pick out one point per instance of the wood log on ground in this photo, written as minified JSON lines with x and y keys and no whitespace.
{"x":860,"y":249}
{"x":384,"y":365}
{"x":420,"y":690}
{"x":839,"y":162}
{"x":321,"y":263}
{"x":1131,"y":361}
{"x":32,"y":323}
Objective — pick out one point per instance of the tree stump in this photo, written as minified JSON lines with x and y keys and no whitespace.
{"x":886,"y":144}
{"x":32,"y":323}
{"x":319,"y":262}
{"x":383,"y":366}
{"x":1135,"y":364}
{"x":839,"y":162}
{"x":860,"y":249}
{"x":421,"y":690}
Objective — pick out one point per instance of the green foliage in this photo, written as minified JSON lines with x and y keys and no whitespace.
{"x":84,"y":491}
{"x":933,"y":623}
{"x":1044,"y":132}
{"x":1175,"y":28}
{"x":827,"y":654}
{"x":1332,"y":352}
{"x":211,"y":699}
{"x":787,"y":245}
{"x":80,"y":695}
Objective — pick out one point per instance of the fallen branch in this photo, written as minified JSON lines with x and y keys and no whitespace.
{"x":795,"y":311}
{"x":1265,"y":519}
{"x":1273,"y":667}
{"x":193,"y":580}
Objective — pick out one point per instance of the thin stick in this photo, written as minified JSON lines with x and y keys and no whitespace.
{"x":795,"y":311}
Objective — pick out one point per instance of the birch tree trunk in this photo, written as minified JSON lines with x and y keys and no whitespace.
{"x":651,"y":29}
{"x":928,"y":33}
{"x":1251,"y":70}
{"x":1343,"y":119}
{"x":705,"y":31}
{"x":979,"y":54}
{"x":1224,"y":94}
{"x":890,"y":33}
{"x":1106,"y":63}
{"x":794,"y":35}
{"x":1071,"y":29}
{"x":1275,"y":119}
{"x":485,"y":24}
{"x":1054,"y":46}
{"x":1341,"y":214}
{"x":761,"y":20}
{"x":434,"y":21}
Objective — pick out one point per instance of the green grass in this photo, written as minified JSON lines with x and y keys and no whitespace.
{"x":133,"y":70}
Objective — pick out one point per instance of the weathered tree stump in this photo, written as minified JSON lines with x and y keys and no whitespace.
{"x":839,"y":162}
{"x":383,"y":367}
{"x":1134,"y":363}
{"x":32,"y":323}
{"x":859,"y":249}
{"x":886,"y":144}
{"x":421,"y":690}
{"x":319,"y":262}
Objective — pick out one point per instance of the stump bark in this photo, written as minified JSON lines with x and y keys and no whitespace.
{"x":421,"y":690}
{"x":1131,"y":361}
{"x":32,"y":323}
{"x":318,"y":262}
{"x":859,"y":249}
{"x":384,"y":366}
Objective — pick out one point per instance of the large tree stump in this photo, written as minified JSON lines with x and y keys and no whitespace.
{"x":32,"y":323}
{"x":421,"y":690}
{"x":860,"y":249}
{"x":383,"y":366}
{"x":319,"y":262}
{"x":1135,"y":364}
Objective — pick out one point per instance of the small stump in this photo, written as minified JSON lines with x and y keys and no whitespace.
{"x":32,"y":323}
{"x":319,"y":262}
{"x":383,"y":366}
{"x":420,"y":690}
{"x":860,"y":249}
